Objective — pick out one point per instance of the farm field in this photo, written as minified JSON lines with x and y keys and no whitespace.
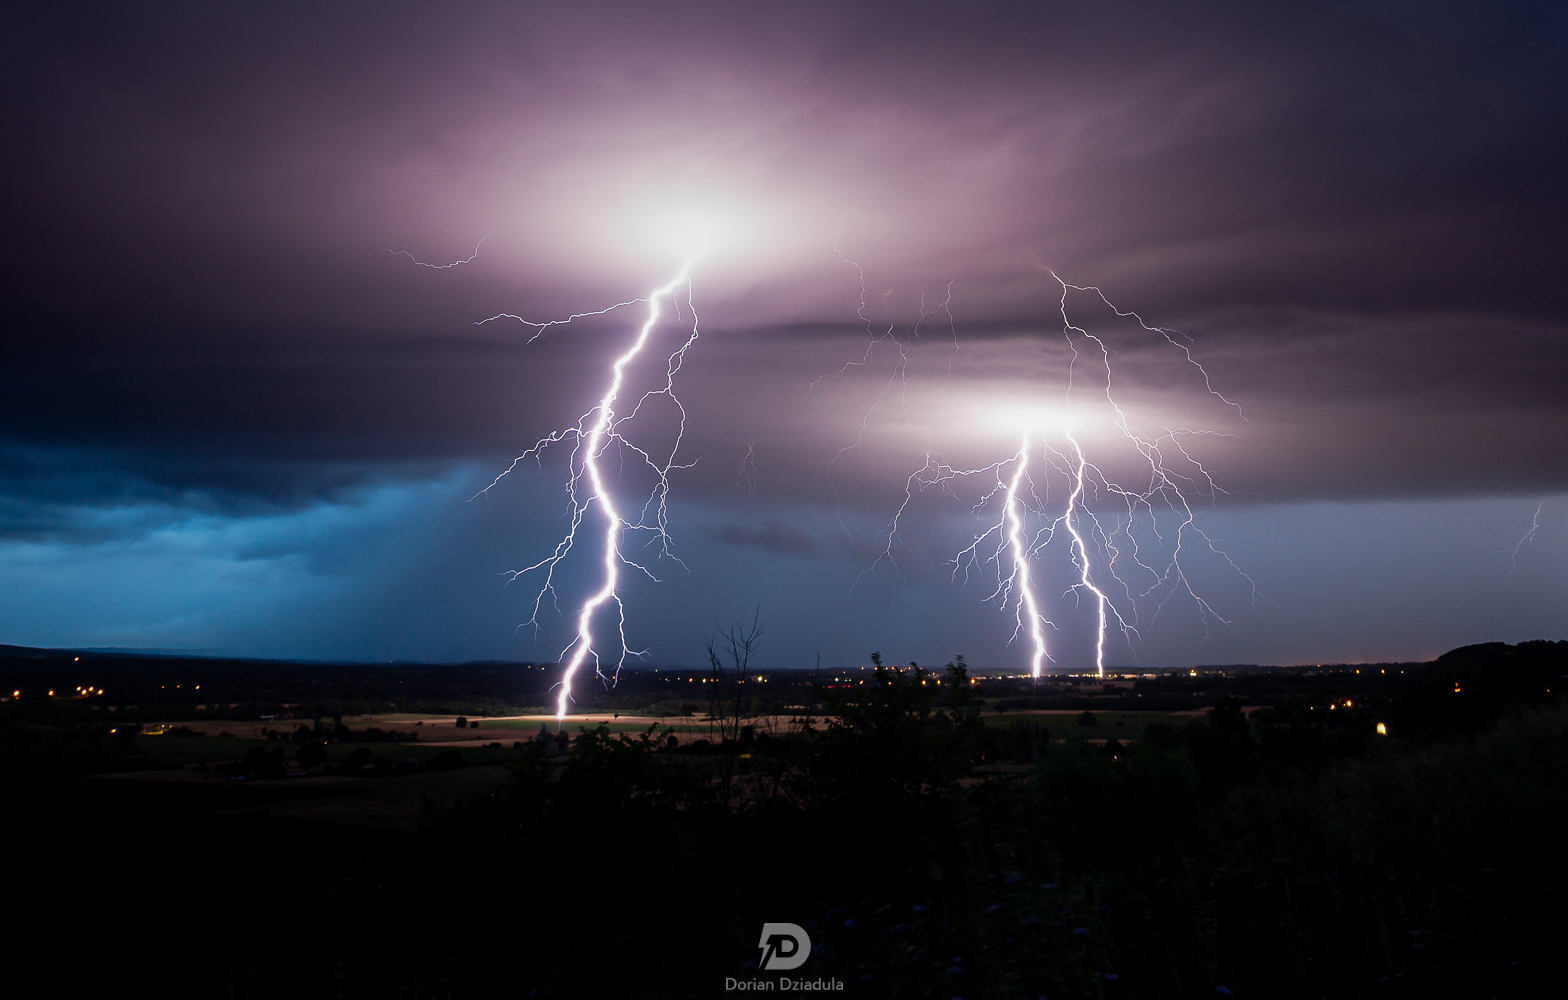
{"x":1108,"y":725}
{"x":189,"y":750}
{"x":435,"y":735}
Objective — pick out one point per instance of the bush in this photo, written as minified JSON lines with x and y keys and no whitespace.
{"x":449,"y":761}
{"x":312,"y":754}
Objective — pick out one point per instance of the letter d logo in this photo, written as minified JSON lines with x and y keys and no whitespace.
{"x":784,"y":946}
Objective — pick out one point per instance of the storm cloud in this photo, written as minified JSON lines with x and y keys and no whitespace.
{"x":770,"y":536}
{"x":1354,"y":212}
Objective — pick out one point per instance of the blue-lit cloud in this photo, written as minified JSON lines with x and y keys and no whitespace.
{"x":411,"y":567}
{"x":164,"y":573}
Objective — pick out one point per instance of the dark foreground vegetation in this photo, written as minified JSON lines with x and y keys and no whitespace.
{"x":1295,"y":852}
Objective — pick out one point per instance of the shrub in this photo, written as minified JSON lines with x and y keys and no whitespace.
{"x":312,"y":755}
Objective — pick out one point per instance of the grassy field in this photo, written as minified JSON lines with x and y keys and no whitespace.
{"x":1062,"y":724}
{"x":180,"y":750}
{"x":392,"y":803}
{"x":1111,"y":725}
{"x":387,"y":802}
{"x":437,"y":736}
{"x":624,"y":724}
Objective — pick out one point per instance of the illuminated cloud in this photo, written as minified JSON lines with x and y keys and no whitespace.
{"x":1356,"y":216}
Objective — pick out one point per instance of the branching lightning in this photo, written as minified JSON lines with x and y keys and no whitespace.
{"x":442,"y":267}
{"x":1074,"y":499}
{"x":1527,"y":539}
{"x":747,"y":475}
{"x":1116,"y":556}
{"x":1013,"y":519}
{"x":1125,"y":563}
{"x":1020,"y":499}
{"x":933,"y":466}
{"x":588,"y":487}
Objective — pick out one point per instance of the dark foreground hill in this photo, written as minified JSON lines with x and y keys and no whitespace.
{"x":1467,"y":688}
{"x":1295,"y":853}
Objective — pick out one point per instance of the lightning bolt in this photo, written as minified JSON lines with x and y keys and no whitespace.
{"x":1145,"y":557}
{"x":747,"y":475}
{"x":442,"y":267}
{"x":1165,"y":486}
{"x":1014,"y":521}
{"x":934,"y":470}
{"x":1528,"y":539}
{"x":1072,"y":524}
{"x":1016,"y":587}
{"x":593,"y":435}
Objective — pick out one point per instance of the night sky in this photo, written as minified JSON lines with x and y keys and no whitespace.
{"x":231,"y":419}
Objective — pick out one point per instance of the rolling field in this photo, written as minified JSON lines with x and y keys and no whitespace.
{"x":183,"y":750}
{"x":1109,"y":725}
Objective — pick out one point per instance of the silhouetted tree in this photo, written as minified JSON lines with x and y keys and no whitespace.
{"x":729,"y":662}
{"x":1223,"y":750}
{"x":312,"y":754}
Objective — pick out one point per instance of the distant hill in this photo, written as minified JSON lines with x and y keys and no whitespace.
{"x":1466,"y":688}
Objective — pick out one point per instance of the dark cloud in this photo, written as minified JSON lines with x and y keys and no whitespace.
{"x":1331,"y":200}
{"x":1355,"y":211}
{"x":776,"y":537}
